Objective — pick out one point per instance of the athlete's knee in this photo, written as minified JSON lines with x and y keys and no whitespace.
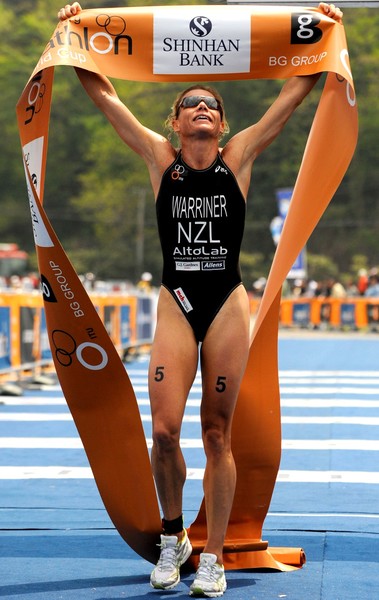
{"x":216,"y":441}
{"x":165,"y":441}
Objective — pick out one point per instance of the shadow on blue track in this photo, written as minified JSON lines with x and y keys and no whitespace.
{"x":71,"y":584}
{"x":105,"y":582}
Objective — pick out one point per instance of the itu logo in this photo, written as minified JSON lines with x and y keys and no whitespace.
{"x":113,"y":25}
{"x":200,"y":26}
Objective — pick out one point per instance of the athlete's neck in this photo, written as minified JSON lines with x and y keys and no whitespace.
{"x":199,"y":154}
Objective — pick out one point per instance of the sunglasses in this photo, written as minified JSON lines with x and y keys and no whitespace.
{"x":192,"y":101}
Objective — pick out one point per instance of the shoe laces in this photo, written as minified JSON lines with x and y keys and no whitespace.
{"x":208,"y":571}
{"x":167,"y":557}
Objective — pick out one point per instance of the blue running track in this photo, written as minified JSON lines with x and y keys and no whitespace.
{"x":57,"y":542}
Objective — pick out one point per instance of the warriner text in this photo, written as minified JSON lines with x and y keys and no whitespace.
{"x":199,"y":208}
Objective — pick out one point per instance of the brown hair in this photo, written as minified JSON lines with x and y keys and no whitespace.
{"x":176,"y":106}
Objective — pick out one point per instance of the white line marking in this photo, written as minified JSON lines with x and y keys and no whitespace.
{"x":56,"y":472}
{"x":318,"y":420}
{"x":73,"y":443}
{"x":35,"y":417}
{"x":312,"y":388}
{"x":360,"y":477}
{"x":33,"y":401}
{"x":300,"y":373}
{"x":330,"y":403}
{"x":357,"y":445}
{"x":337,"y":420}
{"x":68,"y":443}
{"x":66,"y":472}
{"x":359,"y":390}
{"x":193,"y":403}
{"x":328,"y":380}
{"x":325,"y":515}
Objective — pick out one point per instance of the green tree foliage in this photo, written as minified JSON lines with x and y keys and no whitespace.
{"x":350,"y":225}
{"x":98,"y":195}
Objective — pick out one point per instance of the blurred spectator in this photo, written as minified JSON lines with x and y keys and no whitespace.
{"x":310,"y":288}
{"x":299,"y":287}
{"x":351,"y":288}
{"x":15,"y":283}
{"x":259,"y":286}
{"x":372,"y":290}
{"x":144,"y":284}
{"x":27,"y":284}
{"x":89,"y":280}
{"x":362,"y":281}
{"x":336,"y":289}
{"x":321,"y":289}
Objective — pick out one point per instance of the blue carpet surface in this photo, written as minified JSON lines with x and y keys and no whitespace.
{"x":57,"y":542}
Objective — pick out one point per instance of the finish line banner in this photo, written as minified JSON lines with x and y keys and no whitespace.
{"x":186,"y":43}
{"x":192,"y":43}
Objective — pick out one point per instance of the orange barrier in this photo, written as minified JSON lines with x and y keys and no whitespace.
{"x":329,"y":313}
{"x":129,"y":319}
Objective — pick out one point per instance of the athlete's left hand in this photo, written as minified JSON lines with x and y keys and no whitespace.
{"x":331,"y":11}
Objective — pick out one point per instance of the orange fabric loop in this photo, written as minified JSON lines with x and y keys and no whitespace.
{"x":210,"y":43}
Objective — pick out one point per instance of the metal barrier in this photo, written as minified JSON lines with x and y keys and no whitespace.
{"x":24,"y":345}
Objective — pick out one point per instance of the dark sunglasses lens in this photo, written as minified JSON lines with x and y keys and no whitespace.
{"x":211,"y":103}
{"x":191,"y":101}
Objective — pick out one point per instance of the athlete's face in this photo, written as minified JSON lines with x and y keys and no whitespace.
{"x":199,"y":114}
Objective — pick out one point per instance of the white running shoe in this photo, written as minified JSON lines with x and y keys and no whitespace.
{"x":166,"y":574}
{"x":209,"y":579}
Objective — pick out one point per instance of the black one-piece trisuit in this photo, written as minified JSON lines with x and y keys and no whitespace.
{"x":201,"y":217}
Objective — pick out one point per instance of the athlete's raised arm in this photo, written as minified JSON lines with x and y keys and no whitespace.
{"x":151,"y":146}
{"x":291,"y":96}
{"x":246,"y":145}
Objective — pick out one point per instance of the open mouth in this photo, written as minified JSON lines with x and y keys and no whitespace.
{"x":202,"y":118}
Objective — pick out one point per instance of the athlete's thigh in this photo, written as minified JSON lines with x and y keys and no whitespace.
{"x":224,"y":356}
{"x":173,"y":365}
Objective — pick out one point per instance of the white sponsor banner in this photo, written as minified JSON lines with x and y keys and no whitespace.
{"x":201,"y":41}
{"x":33,"y":152}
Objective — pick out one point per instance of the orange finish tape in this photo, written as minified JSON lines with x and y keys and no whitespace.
{"x":234,"y":43}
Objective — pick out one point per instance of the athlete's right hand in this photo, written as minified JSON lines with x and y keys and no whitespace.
{"x":70,"y":10}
